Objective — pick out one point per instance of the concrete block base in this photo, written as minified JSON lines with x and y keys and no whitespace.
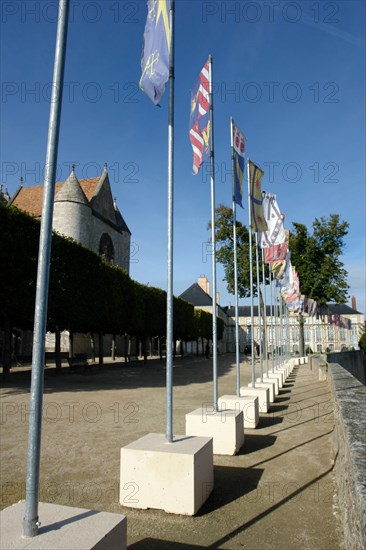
{"x":261,"y":392}
{"x":64,"y":528}
{"x":224,"y":426}
{"x":176,"y":477}
{"x":248,"y":404}
{"x":271,"y":381}
{"x":271,"y":386}
{"x":275,"y":375}
{"x":323,"y":369}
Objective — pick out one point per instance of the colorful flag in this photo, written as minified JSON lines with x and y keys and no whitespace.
{"x":238,"y":158}
{"x":258,"y":222}
{"x":199,"y":124}
{"x":155,"y":55}
{"x":287,"y":281}
{"x":274,"y":253}
{"x":275,"y":233}
{"x":278,"y":268}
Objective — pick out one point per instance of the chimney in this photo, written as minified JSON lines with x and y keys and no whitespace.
{"x":204,"y":283}
{"x":218,"y":298}
{"x":354,"y":305}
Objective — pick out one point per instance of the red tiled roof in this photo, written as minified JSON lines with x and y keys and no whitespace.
{"x":30,"y":199}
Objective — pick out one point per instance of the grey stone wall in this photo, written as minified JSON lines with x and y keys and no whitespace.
{"x":353,"y":361}
{"x":350,"y":450}
{"x":73,"y":220}
{"x":121,"y":242}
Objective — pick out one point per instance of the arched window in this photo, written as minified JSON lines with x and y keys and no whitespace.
{"x":106,"y":248}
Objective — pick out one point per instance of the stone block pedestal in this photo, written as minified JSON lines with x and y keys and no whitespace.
{"x":224,"y":426}
{"x":263,"y":394}
{"x":275,"y":375}
{"x":63,"y":528}
{"x":176,"y":477}
{"x":270,"y":386}
{"x":248,"y":404}
{"x":274,"y":381}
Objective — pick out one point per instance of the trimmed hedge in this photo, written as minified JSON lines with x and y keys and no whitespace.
{"x":86,"y":293}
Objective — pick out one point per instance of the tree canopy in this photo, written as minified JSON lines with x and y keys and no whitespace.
{"x":225,"y":251}
{"x":86,"y":293}
{"x":315,"y":255}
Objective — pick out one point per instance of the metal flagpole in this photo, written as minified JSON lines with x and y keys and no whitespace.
{"x":281,"y":328}
{"x":169,"y":302}
{"x":287,"y":336}
{"x":273,"y":336}
{"x":251,"y":278}
{"x":30,"y":521}
{"x":213,"y":239}
{"x":237,"y":341}
{"x":276,"y":325}
{"x":265,"y":313}
{"x":259,"y":317}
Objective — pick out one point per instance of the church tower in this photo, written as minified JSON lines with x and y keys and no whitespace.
{"x":72,"y":212}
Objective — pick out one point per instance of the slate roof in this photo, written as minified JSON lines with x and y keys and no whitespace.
{"x":198,"y":297}
{"x":244,"y":311}
{"x":341,"y":309}
{"x":120,"y":221}
{"x":71,"y":191}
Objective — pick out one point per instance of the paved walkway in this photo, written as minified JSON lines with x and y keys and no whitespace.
{"x":277,"y":493}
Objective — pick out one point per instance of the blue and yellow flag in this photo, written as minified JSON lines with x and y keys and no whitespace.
{"x":155,"y":56}
{"x":238,"y":157}
{"x":258,"y":221}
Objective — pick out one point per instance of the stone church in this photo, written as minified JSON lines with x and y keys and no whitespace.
{"x":85,"y":211}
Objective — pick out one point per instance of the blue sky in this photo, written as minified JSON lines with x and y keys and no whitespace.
{"x":292,"y":74}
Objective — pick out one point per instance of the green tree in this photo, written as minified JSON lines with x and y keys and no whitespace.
{"x":316,"y":257}
{"x":225,"y":252}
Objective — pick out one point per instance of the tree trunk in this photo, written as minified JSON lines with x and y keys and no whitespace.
{"x":100,"y":350}
{"x":71,"y":344}
{"x":7,"y":350}
{"x":58,"y":350}
{"x":160,"y":349}
{"x":301,"y":336}
{"x":114,"y":346}
{"x":92,"y":346}
{"x":144,"y":349}
{"x":125,"y":351}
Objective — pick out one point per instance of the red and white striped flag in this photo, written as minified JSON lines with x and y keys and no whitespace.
{"x":200,"y":131}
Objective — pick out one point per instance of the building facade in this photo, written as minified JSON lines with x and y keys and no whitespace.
{"x":337,"y":327}
{"x":321,"y":333}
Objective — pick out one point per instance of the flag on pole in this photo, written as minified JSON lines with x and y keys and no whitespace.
{"x":155,"y":55}
{"x":199,"y":124}
{"x":238,"y":157}
{"x":275,"y":233}
{"x":274,"y":253}
{"x":258,"y":222}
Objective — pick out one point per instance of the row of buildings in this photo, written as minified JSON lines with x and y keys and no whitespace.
{"x":320,"y":334}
